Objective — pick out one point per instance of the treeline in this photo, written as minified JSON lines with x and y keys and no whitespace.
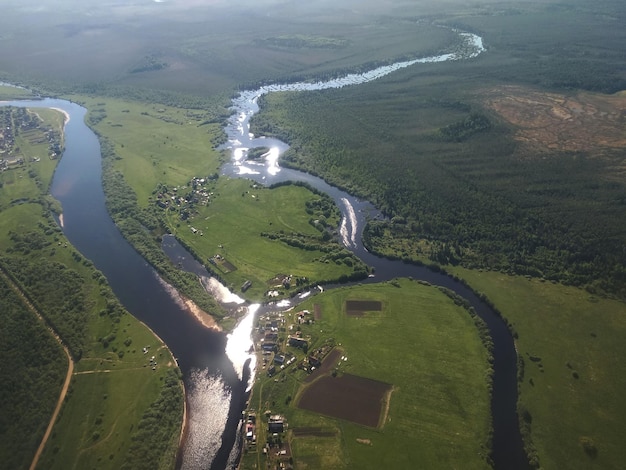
{"x":155,"y":442}
{"x":325,"y":217}
{"x":545,"y":45}
{"x":57,"y":292}
{"x":143,"y":229}
{"x":32,"y":373}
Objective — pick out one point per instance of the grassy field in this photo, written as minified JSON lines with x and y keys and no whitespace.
{"x":160,"y":149}
{"x":156,"y":143}
{"x":465,"y":181}
{"x":113,"y":387}
{"x":427,"y":348}
{"x":572,"y":345}
{"x":12,"y":93}
{"x":231,"y":226}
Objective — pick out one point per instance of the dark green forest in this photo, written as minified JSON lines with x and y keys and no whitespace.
{"x":446,"y":171}
{"x":32,"y":374}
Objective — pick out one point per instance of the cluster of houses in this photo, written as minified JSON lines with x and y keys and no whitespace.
{"x":251,"y":428}
{"x":184,"y":198}
{"x":276,"y":426}
{"x":25,"y":121}
{"x":8,"y":163}
{"x":276,"y":356}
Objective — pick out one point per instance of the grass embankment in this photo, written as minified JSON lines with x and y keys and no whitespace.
{"x":423,"y":345}
{"x":113,"y":390}
{"x":160,"y":150}
{"x":8,"y":93}
{"x":572,"y":345}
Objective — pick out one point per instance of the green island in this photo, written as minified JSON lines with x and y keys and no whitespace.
{"x":506,"y":171}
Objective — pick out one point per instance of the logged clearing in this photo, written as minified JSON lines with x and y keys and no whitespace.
{"x":545,"y":122}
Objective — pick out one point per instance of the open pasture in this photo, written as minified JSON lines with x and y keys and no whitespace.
{"x":423,"y":345}
{"x":571,"y":345}
{"x":232,"y":225}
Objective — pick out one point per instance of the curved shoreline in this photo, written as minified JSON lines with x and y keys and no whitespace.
{"x":507,"y":445}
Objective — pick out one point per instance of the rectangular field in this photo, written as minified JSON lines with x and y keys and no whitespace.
{"x":357,"y":308}
{"x":350,"y":397}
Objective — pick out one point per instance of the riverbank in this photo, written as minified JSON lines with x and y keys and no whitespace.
{"x":570,"y":383}
{"x":441,"y":419}
{"x":98,"y":332}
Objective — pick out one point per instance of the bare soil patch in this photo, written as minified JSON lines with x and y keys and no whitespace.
{"x":277,"y":281}
{"x":350,"y":397}
{"x":317,"y":312}
{"x":357,"y":308}
{"x":228,"y":267}
{"x":545,"y":122}
{"x":313,"y":432}
{"x":327,"y":364}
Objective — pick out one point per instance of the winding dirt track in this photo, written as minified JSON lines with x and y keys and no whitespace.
{"x":68,"y":376}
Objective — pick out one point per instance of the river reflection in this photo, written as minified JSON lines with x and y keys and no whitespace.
{"x":210,"y":398}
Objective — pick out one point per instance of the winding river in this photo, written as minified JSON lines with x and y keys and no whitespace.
{"x":217,"y":369}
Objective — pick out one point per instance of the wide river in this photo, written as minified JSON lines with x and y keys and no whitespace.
{"x":217,"y":369}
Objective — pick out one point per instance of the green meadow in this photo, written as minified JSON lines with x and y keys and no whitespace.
{"x":422,"y":344}
{"x":232,"y":225}
{"x":458,"y":184}
{"x":572,"y":346}
{"x":156,"y":144}
{"x":11,"y":93}
{"x":113,"y":390}
{"x":159,"y":149}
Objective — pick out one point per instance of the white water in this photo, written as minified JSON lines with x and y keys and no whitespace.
{"x":220,"y":292}
{"x":240,"y":348}
{"x":245,"y":105}
{"x":349,"y":224}
{"x":240,"y":140}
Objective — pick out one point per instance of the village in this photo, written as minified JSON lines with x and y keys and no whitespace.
{"x":20,"y":122}
{"x":282,"y":348}
{"x":184,"y":199}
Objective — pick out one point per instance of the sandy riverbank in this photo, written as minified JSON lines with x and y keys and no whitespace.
{"x":189,"y":305}
{"x":65,"y":113}
{"x":206,"y":319}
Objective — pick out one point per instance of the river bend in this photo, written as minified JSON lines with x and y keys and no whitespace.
{"x":217,"y":369}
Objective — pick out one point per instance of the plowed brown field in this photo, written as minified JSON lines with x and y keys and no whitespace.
{"x":348,"y":397}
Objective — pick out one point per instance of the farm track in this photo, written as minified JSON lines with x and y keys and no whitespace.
{"x":68,"y":375}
